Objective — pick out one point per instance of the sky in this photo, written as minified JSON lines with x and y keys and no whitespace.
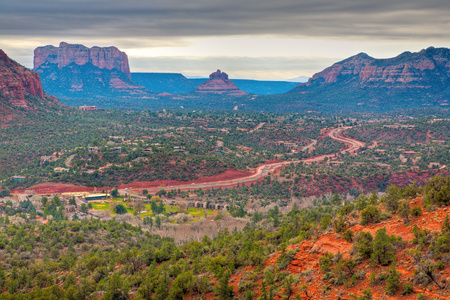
{"x":254,"y":39}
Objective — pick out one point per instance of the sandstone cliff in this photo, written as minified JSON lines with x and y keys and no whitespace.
{"x":219,"y":84}
{"x":76,"y":71}
{"x":419,"y":79}
{"x":66,"y":54}
{"x":428,"y":68}
{"x":16,"y":82}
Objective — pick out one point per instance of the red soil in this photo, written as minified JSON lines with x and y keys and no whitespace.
{"x":306,"y":261}
{"x":52,"y":188}
{"x":227,"y":175}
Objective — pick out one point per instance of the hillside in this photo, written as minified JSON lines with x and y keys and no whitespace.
{"x":20,"y":90}
{"x":396,"y":247}
{"x":365,"y":83}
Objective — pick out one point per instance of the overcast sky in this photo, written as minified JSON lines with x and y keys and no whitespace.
{"x":260,"y":39}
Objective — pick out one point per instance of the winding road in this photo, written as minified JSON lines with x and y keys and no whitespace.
{"x":351,"y":146}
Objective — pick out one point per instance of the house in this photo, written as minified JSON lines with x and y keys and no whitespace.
{"x":70,"y":208}
{"x":93,"y":149}
{"x":18,"y":178}
{"x":85,"y":107}
{"x":49,"y":158}
{"x":95,"y":197}
{"x":116,"y":149}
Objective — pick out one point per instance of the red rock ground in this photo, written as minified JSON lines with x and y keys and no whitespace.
{"x":307,"y":258}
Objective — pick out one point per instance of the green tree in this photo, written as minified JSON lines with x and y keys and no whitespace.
{"x":392,"y":281}
{"x":72,"y":201}
{"x":363,"y":244}
{"x":116,"y":289}
{"x":84,"y":208}
{"x":404,"y":211}
{"x":392,"y":198}
{"x":114,"y":193}
{"x":120,"y":209}
{"x":383,"y":250}
{"x":371,"y":214}
{"x":222,"y":289}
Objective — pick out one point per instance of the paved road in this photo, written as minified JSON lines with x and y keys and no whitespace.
{"x":351,"y":146}
{"x":313,"y":143}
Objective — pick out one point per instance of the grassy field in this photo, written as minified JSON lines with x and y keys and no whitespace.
{"x":106,"y":205}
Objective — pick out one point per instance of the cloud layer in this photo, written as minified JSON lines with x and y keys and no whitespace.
{"x":405,"y":19}
{"x":261,"y":39}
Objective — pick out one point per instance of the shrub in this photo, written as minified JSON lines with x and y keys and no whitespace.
{"x":340,"y":224}
{"x":437,"y":190}
{"x":407,"y":289}
{"x":366,"y":295}
{"x":370,"y":215}
{"x":385,"y":214}
{"x":404,"y":211}
{"x":416,"y":211}
{"x":393,"y":282}
{"x":383,"y":250}
{"x":325,"y":262}
{"x":348,"y":235}
{"x":363,"y":244}
{"x":392,"y":198}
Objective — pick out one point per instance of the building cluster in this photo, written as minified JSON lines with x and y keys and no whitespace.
{"x":199,"y":204}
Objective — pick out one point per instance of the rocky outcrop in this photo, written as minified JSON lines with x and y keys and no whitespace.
{"x":76,"y":71}
{"x":362,"y":83}
{"x":219,"y":84}
{"x":428,"y":68}
{"x":17,"y":82}
{"x":66,"y":54}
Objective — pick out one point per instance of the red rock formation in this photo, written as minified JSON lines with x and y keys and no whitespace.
{"x":17,"y":81}
{"x":219,"y":83}
{"x":104,"y":58}
{"x":408,"y":70}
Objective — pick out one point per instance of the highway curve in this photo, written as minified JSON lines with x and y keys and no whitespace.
{"x":351,"y":146}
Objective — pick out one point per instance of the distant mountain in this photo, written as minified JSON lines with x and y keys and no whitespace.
{"x":20,"y":89}
{"x":75,"y":71}
{"x":301,"y":79}
{"x":219,"y":84}
{"x":408,"y":80}
{"x":172,"y":83}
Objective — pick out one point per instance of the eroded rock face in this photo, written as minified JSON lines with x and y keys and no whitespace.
{"x":219,"y":83}
{"x":66,"y":54}
{"x":423,"y":69}
{"x":17,"y":81}
{"x":76,"y":71}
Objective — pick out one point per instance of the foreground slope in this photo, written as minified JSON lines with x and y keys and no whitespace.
{"x":396,"y":247}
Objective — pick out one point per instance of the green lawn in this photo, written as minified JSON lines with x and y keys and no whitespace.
{"x":195,"y":212}
{"x":100,"y":206}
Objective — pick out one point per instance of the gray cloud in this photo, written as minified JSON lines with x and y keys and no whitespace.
{"x":406,"y":19}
